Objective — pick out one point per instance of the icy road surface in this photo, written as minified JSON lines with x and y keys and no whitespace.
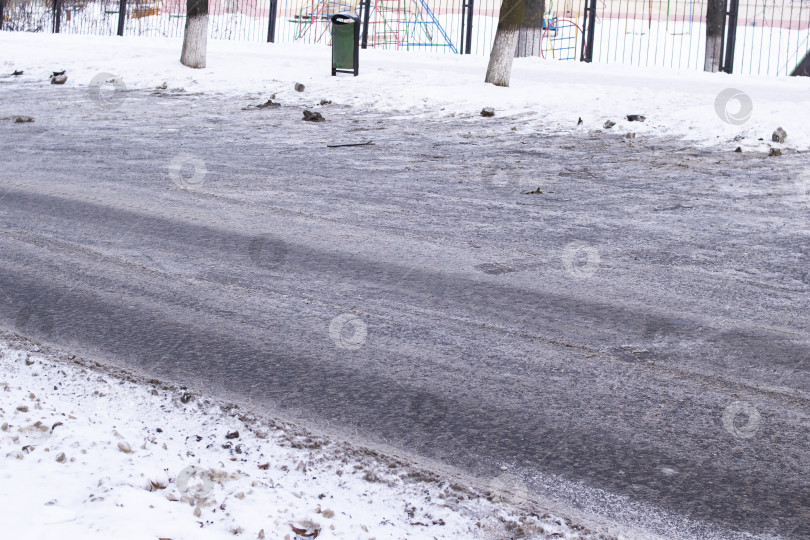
{"x":631,"y":339}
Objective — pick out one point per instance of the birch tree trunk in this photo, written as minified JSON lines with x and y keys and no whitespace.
{"x":195,"y":39}
{"x":499,"y":70}
{"x":803,"y":67}
{"x":714,"y":35}
{"x":531,"y":29}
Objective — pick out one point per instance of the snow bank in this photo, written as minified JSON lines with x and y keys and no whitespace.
{"x":88,"y":453}
{"x":545,"y":95}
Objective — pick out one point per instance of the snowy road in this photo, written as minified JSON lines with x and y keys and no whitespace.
{"x":632,"y":341}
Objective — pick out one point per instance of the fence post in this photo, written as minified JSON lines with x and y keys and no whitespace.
{"x":466,"y":26}
{"x":122,"y":15}
{"x":588,"y":29}
{"x":2,"y":13}
{"x":56,"y":13}
{"x":463,"y":22}
{"x":366,"y":7}
{"x":470,"y":8}
{"x":729,"y":36}
{"x":271,"y":22}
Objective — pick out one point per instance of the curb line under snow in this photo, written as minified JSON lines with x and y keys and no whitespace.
{"x":89,"y":451}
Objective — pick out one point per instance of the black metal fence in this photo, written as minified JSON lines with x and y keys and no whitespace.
{"x":770,"y":36}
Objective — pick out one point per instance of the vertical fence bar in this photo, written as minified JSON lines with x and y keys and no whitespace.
{"x":729,"y":36}
{"x":588,"y":22}
{"x":722,"y":38}
{"x":122,"y":16}
{"x":271,"y":22}
{"x":57,"y":16}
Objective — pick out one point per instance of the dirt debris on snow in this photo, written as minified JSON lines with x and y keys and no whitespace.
{"x":58,"y":77}
{"x":310,"y":116}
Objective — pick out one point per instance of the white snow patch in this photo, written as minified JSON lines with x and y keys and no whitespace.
{"x":89,"y":453}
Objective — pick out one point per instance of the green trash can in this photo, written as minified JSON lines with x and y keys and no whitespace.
{"x":345,"y":43}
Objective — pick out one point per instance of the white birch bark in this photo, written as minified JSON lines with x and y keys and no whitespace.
{"x":499,"y":70}
{"x":195,"y":41}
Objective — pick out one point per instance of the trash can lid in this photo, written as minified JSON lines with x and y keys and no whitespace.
{"x":343,"y":18}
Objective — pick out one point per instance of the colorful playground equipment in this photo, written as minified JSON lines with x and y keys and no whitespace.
{"x":411,"y":24}
{"x":561,"y":33}
{"x":397,"y":24}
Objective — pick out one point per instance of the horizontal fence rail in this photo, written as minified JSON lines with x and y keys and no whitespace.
{"x":772,"y":36}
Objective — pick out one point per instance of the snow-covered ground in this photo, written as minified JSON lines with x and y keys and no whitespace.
{"x":89,"y":452}
{"x":549,"y":96}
